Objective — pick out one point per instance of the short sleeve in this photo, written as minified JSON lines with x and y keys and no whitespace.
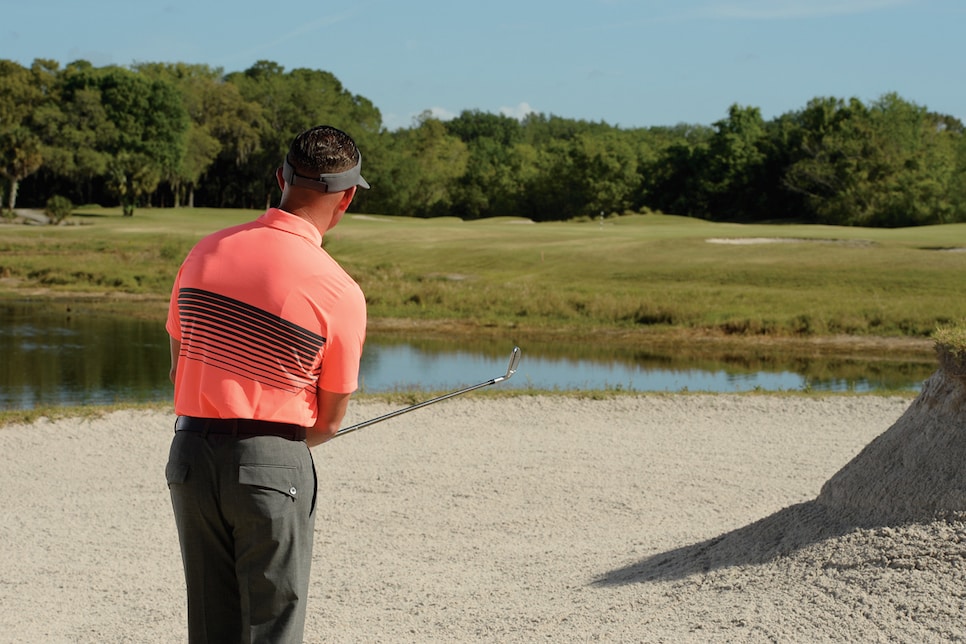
{"x":345,"y":336}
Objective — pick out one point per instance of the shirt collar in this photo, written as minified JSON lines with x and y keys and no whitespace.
{"x":287,"y":222}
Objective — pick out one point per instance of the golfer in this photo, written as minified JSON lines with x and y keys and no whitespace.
{"x":266,"y":337}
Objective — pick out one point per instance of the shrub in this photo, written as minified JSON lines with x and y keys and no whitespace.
{"x":58,"y":209}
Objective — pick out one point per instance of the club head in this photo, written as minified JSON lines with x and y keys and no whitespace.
{"x":514,"y":361}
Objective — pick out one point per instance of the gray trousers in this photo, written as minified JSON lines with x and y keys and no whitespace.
{"x":245,"y":511}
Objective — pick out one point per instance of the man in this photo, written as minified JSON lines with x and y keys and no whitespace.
{"x":266,"y":337}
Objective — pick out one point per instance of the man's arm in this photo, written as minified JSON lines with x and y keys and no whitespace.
{"x":175,"y":351}
{"x":332,"y":408}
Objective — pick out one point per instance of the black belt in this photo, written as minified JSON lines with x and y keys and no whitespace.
{"x":239,"y":427}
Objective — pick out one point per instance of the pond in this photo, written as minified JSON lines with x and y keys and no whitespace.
{"x":63,"y":355}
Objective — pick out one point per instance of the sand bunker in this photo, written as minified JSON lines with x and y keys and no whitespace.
{"x":653,"y":518}
{"x":748,"y":241}
{"x":916,"y":471}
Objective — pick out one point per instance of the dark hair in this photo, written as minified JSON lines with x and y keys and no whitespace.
{"x":323,"y":150}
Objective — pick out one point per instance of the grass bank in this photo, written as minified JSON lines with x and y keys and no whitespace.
{"x":652,"y":276}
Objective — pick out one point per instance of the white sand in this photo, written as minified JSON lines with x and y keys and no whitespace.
{"x":664,"y":518}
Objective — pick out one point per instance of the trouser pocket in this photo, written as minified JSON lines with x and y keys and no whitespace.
{"x":273,"y":490}
{"x":175,"y":472}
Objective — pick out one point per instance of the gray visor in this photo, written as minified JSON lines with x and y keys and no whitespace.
{"x":335,"y":182}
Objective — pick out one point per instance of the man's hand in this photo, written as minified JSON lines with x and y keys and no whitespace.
{"x":332,"y":408}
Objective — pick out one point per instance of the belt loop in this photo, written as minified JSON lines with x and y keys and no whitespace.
{"x":204,"y":432}
{"x":234,"y":427}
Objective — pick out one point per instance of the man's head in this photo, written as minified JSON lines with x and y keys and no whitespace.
{"x":324,"y":159}
{"x":320,"y":175}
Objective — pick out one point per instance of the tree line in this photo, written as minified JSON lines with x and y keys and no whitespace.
{"x":174,"y":134}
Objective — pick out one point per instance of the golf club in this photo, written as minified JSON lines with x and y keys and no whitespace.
{"x":510,"y":370}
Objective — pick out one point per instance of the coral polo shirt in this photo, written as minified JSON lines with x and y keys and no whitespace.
{"x":265,"y":318}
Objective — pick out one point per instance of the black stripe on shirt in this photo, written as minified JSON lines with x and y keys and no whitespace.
{"x":247,"y":341}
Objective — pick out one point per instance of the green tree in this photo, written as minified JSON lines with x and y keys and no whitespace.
{"x":829,"y":168}
{"x":126,"y":122}
{"x":421,"y":170}
{"x":76,"y":131}
{"x":151,"y":123}
{"x":20,"y":147}
{"x":914,"y":157}
{"x":607,"y":172}
{"x":290,"y":103}
{"x":132,"y":175}
{"x":491,"y":184}
{"x":20,"y":151}
{"x":592,"y":173}
{"x":540,"y":130}
{"x":957,"y":186}
{"x":668,"y":178}
{"x":732,"y":166}
{"x":222,"y":123}
{"x":891,"y":163}
{"x":472,"y":125}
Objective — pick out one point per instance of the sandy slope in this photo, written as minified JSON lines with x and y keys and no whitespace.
{"x":651,"y":518}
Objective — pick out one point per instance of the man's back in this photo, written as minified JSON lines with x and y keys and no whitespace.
{"x":257,"y":306}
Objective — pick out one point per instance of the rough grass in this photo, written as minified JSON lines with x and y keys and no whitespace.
{"x":951,"y":347}
{"x":953,"y":338}
{"x":636,"y":273}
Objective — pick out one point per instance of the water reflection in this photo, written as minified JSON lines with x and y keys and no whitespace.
{"x":64,"y":358}
{"x":442,"y":371}
{"x":440,"y":365}
{"x":65,"y":354}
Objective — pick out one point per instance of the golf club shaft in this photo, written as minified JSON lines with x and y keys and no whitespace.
{"x":511,"y":369}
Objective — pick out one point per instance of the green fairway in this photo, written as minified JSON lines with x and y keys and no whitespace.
{"x":641,"y":272}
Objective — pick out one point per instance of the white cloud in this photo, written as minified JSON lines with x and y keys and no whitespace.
{"x":519,"y":112}
{"x":392,"y":121}
{"x":440,"y":114}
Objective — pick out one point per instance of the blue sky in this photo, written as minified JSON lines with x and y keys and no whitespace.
{"x":631,"y":63}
